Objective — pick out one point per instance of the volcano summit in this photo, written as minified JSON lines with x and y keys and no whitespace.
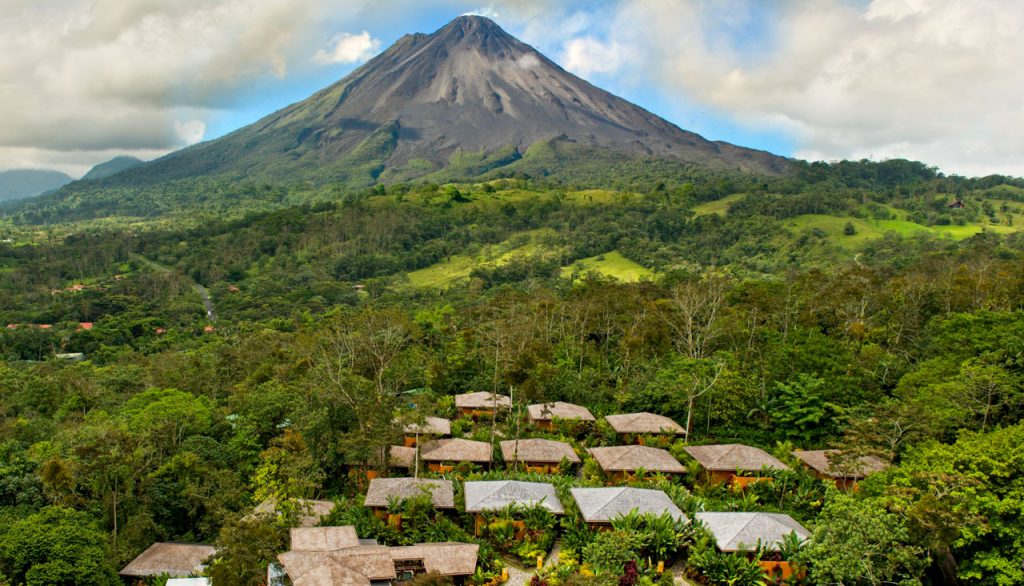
{"x":469,"y":91}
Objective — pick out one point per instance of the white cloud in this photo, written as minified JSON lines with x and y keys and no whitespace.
{"x":190,"y":132}
{"x":90,"y":76}
{"x":488,"y":12}
{"x":347,"y":48}
{"x":934,"y":80}
{"x":587,"y":55}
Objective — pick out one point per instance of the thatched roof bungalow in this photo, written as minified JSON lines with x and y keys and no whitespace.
{"x":727,"y":462}
{"x":831,"y":464}
{"x":481,"y":404}
{"x":311,"y":511}
{"x":643,"y":423}
{"x":451,"y":559}
{"x":444,"y":454}
{"x":542,"y":414}
{"x":621,"y":462}
{"x":538,"y":455}
{"x":177,"y":560}
{"x":383,"y":490}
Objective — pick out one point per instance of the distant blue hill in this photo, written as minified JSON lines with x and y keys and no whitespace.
{"x":25,"y":183}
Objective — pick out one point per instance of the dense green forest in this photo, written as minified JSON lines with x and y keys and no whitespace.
{"x":847,"y":305}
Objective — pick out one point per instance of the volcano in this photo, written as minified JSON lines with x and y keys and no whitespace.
{"x":468,"y":91}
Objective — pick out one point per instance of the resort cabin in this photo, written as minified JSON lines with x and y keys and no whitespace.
{"x":734,"y":464}
{"x":745,"y":532}
{"x":621,"y":463}
{"x":175,"y":560}
{"x":481,"y":404}
{"x":538,"y":455}
{"x":385,"y":491}
{"x":844,"y":471}
{"x":336,"y":556}
{"x":310,"y":511}
{"x":542,"y":415}
{"x":631,"y":427}
{"x":494,"y":495}
{"x":445,"y":454}
{"x":453,"y":560}
{"x":432,"y":427}
{"x":401,"y":458}
{"x":600,"y":506}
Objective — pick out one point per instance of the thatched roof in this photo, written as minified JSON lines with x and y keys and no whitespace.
{"x":602,"y":505}
{"x":538,"y":450}
{"x":632,"y":458}
{"x":832,"y":464}
{"x":312,"y":510}
{"x":644,"y":423}
{"x":384,"y":489}
{"x":447,"y":558}
{"x":371,"y":561}
{"x":323,"y":538}
{"x":177,"y":560}
{"x":431,"y":426}
{"x":496,"y":494}
{"x":744,"y":531}
{"x":559,"y":410}
{"x":331,"y":572}
{"x":401,"y":457}
{"x":455,"y":450}
{"x":733,"y":457}
{"x":482,"y":401}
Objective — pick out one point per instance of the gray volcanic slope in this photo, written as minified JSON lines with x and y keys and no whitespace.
{"x":468,"y":87}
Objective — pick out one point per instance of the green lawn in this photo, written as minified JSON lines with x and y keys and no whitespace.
{"x":869,"y":229}
{"x":443,"y":274}
{"x":611,"y":264}
{"x":718,"y":206}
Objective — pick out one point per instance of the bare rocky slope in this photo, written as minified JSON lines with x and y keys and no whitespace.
{"x":469,"y":89}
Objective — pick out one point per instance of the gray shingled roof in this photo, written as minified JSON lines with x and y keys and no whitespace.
{"x":632,"y":458}
{"x":177,"y":560}
{"x":383,"y":489}
{"x":537,"y":450}
{"x":732,"y":457}
{"x":643,"y":423}
{"x":455,"y":450}
{"x":431,"y":426}
{"x":743,"y":531}
{"x":602,"y":505}
{"x":482,"y":400}
{"x":448,"y":558}
{"x":496,"y":494}
{"x":821,"y":460}
{"x":559,"y":409}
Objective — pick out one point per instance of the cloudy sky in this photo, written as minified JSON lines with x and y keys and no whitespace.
{"x":935,"y":80}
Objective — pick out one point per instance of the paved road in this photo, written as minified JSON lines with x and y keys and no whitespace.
{"x":204,"y":295}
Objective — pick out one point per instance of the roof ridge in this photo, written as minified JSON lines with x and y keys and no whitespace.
{"x":619,"y":490}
